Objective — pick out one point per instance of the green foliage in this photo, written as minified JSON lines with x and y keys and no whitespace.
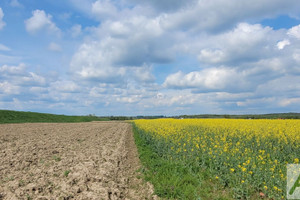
{"x":122,"y":118}
{"x":247,"y":157}
{"x":175,"y":179}
{"x":246,"y":116}
{"x":7,"y":116}
{"x":56,"y":158}
{"x":66,"y":173}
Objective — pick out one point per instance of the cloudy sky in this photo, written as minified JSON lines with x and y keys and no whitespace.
{"x":131,"y":57}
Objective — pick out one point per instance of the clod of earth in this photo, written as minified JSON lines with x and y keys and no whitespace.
{"x":46,"y":161}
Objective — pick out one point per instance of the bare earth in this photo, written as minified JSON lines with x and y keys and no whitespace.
{"x":96,"y":160}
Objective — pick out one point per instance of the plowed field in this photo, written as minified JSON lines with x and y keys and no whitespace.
{"x":96,"y":160}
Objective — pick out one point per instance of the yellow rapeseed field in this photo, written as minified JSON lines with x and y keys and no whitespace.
{"x":245,"y":155}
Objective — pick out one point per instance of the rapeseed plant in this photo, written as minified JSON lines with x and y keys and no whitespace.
{"x":246,"y":155}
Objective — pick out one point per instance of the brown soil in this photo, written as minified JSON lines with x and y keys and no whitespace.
{"x":96,"y":160}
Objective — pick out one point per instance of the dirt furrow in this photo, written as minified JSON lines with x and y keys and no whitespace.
{"x":96,"y":160}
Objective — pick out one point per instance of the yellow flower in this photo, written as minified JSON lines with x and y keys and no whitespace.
{"x":248,"y":141}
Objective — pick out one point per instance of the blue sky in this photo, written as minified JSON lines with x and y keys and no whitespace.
{"x":156,"y":57}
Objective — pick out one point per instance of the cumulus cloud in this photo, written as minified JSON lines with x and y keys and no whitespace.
{"x":33,"y":79}
{"x":4,"y":48}
{"x":216,"y":15}
{"x":235,"y":59}
{"x":20,"y":87}
{"x":209,"y":80}
{"x":142,"y":74}
{"x":285,"y":86}
{"x":83,"y":6}
{"x":289,"y":101}
{"x":103,"y":9}
{"x":39,"y":21}
{"x":20,"y":77}
{"x":2,"y":23}
{"x":234,"y":79}
{"x":91,"y":63}
{"x":54,"y":47}
{"x":166,"y":57}
{"x":8,"y":88}
{"x":8,"y":71}
{"x":283,"y":43}
{"x":65,"y":86}
{"x":245,"y":42}
{"x":15,"y":3}
{"x":296,"y":57}
{"x":294,"y":32}
{"x":121,"y":47}
{"x":30,"y":89}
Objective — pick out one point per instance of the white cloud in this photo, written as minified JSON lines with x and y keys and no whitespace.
{"x":296,"y":57}
{"x":128,"y":63}
{"x":285,"y":86}
{"x":103,"y":9}
{"x":9,"y":71}
{"x":245,"y":42}
{"x":39,"y":21}
{"x":212,"y":56}
{"x":65,"y":86}
{"x":132,"y":99}
{"x":76,"y":30}
{"x":208,"y":80}
{"x":91,"y":63}
{"x":283,"y":43}
{"x":236,"y":58}
{"x":294,"y":32}
{"x":54,"y":47}
{"x":15,"y":3}
{"x":216,"y":15}
{"x":2,"y":23}
{"x":8,"y":88}
{"x":4,"y":48}
{"x":120,"y":48}
{"x":83,"y":6}
{"x":20,"y":87}
{"x":248,"y":77}
{"x":288,"y":101}
{"x":118,"y":29}
{"x":259,"y":103}
{"x":32,"y":79}
{"x":18,"y":76}
{"x":142,"y":74}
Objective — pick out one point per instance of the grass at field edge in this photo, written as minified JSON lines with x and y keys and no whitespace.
{"x":175,"y":179}
{"x":7,"y":116}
